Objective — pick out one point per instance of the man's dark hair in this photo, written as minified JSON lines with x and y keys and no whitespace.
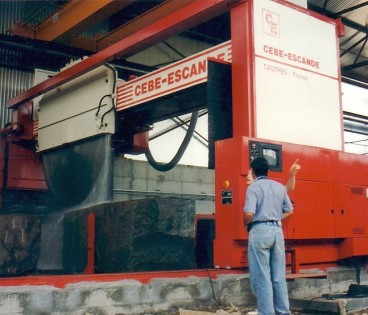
{"x":260,"y":166}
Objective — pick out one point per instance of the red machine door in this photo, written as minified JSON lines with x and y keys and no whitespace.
{"x":352,"y":211}
{"x":314,"y":212}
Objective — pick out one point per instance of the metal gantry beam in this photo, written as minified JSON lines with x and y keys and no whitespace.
{"x":159,"y":12}
{"x":175,"y":22}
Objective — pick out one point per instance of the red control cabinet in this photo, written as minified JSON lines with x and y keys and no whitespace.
{"x":331,"y":203}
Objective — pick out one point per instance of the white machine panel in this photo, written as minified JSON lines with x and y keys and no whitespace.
{"x":297,"y":77}
{"x":79,"y":109}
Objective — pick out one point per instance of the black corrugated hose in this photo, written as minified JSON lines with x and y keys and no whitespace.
{"x":170,"y":165}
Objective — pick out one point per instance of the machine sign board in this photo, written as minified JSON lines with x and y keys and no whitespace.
{"x":178,"y":76}
{"x":296,"y":76}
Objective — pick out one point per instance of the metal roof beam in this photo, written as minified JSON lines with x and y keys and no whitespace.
{"x":361,"y":50}
{"x":355,"y":7}
{"x":130,"y":27}
{"x":72,"y":19}
{"x":352,"y":81}
{"x":353,"y":46}
{"x":344,"y":20}
{"x":143,"y":20}
{"x":355,"y":65}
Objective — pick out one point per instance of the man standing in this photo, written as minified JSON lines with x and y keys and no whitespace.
{"x":267,"y":203}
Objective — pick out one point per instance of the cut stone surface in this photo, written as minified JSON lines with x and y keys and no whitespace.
{"x":136,"y":235}
{"x":19,"y":244}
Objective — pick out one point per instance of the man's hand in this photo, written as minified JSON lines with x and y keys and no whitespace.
{"x":248,"y":217}
{"x":295,"y":167}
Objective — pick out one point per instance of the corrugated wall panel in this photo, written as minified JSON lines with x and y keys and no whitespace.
{"x":28,"y":12}
{"x":12,"y":83}
{"x":10,"y":11}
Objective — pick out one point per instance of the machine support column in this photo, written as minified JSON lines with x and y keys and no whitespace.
{"x":91,"y":229}
{"x":242,"y":69}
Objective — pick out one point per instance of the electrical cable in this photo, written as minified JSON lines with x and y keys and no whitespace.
{"x":113,"y":107}
{"x":170,"y":165}
{"x":100,"y":103}
{"x":306,"y":304}
{"x":103,"y":116}
{"x":212,"y":288}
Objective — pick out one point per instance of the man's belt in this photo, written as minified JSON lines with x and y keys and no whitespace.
{"x":250,"y":225}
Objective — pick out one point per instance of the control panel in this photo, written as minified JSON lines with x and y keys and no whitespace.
{"x":271,"y":152}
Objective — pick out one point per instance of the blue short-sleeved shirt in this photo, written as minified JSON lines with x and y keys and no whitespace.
{"x":267,"y":200}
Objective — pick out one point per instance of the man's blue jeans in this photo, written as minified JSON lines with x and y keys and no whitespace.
{"x":266,"y":255}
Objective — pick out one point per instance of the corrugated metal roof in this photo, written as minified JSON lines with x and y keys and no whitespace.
{"x":353,"y":45}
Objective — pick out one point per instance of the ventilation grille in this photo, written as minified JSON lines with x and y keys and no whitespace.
{"x":358,"y":230}
{"x":356,"y":190}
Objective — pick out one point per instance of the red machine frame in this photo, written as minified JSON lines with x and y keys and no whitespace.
{"x":336,"y":191}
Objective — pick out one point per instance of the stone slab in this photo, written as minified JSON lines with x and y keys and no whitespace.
{"x":134,"y":235}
